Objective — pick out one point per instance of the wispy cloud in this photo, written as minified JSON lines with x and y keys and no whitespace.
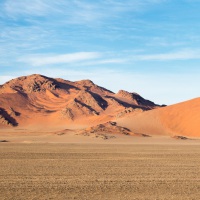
{"x":15,"y":9}
{"x":41,"y":60}
{"x":106,"y":58}
{"x":177,"y":55}
{"x":104,"y":62}
{"x":74,"y":11}
{"x":36,"y":26}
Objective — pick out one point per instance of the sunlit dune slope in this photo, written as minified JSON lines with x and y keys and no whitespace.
{"x":179,"y":119}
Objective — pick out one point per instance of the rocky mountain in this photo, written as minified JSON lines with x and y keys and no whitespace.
{"x":37,"y":99}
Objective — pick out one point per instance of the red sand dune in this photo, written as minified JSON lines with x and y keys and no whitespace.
{"x":179,"y":119}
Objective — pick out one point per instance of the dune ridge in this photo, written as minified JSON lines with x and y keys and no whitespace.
{"x":179,"y":119}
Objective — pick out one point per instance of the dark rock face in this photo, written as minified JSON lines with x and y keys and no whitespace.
{"x":136,"y":99}
{"x":7,"y":119}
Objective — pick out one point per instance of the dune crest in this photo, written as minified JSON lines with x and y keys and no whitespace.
{"x":182,"y":119}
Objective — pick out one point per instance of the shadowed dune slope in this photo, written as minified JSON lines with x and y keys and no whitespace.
{"x":179,"y":119}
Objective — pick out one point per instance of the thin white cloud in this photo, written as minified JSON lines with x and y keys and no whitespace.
{"x":46,"y":32}
{"x":104,"y":61}
{"x":18,"y":8}
{"x":103,"y":58}
{"x":74,"y":11}
{"x":178,"y":55}
{"x":111,"y":61}
{"x":41,"y":60}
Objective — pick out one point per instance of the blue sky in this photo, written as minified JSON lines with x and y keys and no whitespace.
{"x":151,"y":47}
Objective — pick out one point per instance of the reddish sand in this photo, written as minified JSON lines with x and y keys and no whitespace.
{"x":180,"y":119}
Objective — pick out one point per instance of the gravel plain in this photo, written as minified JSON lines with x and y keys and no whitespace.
{"x":88,"y":171}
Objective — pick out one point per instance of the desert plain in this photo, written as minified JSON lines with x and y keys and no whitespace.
{"x":157,"y":170}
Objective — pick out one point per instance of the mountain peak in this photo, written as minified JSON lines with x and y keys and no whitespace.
{"x":37,"y":97}
{"x":85,"y":82}
{"x":31,"y":83}
{"x":135,"y":98}
{"x":124,"y":93}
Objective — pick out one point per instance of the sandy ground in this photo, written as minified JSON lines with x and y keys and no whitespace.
{"x":48,"y":138}
{"x":42,"y":135}
{"x":100,"y":171}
